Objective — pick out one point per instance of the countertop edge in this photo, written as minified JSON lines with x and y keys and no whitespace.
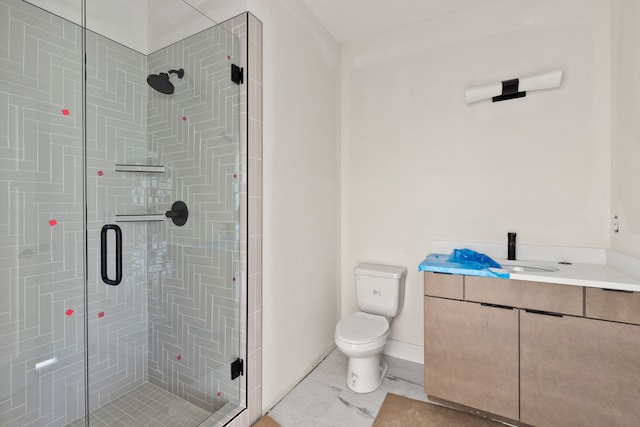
{"x":589,"y":267}
{"x":619,"y":286}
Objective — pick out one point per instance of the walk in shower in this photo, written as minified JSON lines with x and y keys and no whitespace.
{"x":123,"y":184}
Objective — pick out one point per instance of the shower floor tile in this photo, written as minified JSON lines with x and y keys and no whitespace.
{"x":147,"y":405}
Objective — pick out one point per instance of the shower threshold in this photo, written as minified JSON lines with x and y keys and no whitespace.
{"x":147,"y":405}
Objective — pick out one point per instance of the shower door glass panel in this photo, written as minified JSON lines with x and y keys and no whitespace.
{"x":161,"y":341}
{"x":42,"y":377}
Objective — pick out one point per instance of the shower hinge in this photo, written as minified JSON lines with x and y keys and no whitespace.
{"x":237,"y":368}
{"x":237,"y":74}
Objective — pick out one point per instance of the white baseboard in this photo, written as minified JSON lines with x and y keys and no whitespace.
{"x":405,"y":351}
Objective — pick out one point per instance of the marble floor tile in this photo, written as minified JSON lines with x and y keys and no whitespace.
{"x":323,"y":398}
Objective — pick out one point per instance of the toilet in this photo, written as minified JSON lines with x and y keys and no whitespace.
{"x":364,"y":334}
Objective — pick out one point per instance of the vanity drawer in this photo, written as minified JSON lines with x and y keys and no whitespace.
{"x":443,"y":285}
{"x":541,"y":296}
{"x":608,"y":304}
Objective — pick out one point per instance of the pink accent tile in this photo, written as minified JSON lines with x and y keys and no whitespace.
{"x":53,"y":222}
{"x":69,"y":313}
{"x":65,"y":112}
{"x":101,"y":315}
{"x":100,"y":173}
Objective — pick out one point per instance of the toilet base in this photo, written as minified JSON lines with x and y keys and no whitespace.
{"x":365,"y":374}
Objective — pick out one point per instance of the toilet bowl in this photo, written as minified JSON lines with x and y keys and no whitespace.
{"x":362,"y":337}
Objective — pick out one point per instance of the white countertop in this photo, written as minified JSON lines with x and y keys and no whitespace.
{"x":592,"y":267}
{"x":591,"y":275}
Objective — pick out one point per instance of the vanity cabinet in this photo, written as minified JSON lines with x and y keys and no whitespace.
{"x":608,"y":304}
{"x":563,"y":299}
{"x":578,"y":372}
{"x":444,"y":285}
{"x":538,"y":353}
{"x":473,"y":350}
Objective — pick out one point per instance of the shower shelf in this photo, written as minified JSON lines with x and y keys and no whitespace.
{"x":140,"y":168}
{"x":140,"y":218}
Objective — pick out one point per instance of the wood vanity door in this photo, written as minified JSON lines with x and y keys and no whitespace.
{"x":578,"y":372}
{"x":444,"y":285}
{"x":471,"y":355}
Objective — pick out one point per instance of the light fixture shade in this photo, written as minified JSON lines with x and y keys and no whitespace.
{"x":548,"y":80}
{"x":542,"y":81}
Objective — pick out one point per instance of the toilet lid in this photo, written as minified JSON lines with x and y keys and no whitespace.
{"x":360,"y":328}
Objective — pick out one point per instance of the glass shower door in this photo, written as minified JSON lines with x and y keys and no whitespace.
{"x":194,"y":269}
{"x":116,"y":252}
{"x":163,"y":174}
{"x":42,"y":308}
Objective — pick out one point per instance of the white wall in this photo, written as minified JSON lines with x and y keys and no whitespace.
{"x":625,"y":193}
{"x":301,"y":247}
{"x":419,"y":164}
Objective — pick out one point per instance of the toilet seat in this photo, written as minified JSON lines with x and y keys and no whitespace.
{"x":362,"y":328}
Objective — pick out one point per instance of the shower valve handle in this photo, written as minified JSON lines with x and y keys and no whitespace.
{"x":178,"y":213}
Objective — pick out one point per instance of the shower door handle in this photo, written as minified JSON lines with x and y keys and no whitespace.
{"x":103,"y":254}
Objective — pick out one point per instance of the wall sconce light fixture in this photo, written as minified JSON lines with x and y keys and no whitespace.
{"x":514,"y":88}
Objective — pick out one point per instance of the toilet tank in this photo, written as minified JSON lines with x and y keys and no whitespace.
{"x":380,"y":288}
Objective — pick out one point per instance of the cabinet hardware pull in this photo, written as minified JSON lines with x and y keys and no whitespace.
{"x":544,"y":313}
{"x":503,"y":307}
{"x":617,"y":290}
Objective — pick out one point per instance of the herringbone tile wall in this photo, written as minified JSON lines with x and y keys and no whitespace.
{"x":41,"y":227}
{"x":174,"y":319}
{"x":116,"y":134}
{"x":195,"y":289}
